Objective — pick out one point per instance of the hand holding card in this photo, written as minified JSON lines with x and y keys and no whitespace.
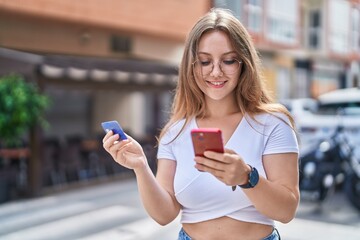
{"x":115,"y":127}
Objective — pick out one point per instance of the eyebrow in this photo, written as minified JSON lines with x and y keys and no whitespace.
{"x":226,"y":53}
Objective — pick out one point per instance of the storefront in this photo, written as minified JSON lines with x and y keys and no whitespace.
{"x":84,"y":92}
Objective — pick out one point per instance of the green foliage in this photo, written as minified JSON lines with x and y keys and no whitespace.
{"x":21,"y":107}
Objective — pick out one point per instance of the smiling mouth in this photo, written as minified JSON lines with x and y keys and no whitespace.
{"x":216,"y":83}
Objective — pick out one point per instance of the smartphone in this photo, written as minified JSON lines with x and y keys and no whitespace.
{"x":115,"y":127}
{"x":207,"y":139}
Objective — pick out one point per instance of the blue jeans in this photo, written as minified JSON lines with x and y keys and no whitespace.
{"x":273,"y":236}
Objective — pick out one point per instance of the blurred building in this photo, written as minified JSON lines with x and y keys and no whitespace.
{"x":75,"y":37}
{"x":98,"y":60}
{"x":104,"y":59}
{"x":308,"y":47}
{"x":332,"y":39}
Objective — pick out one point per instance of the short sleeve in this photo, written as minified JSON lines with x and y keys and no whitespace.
{"x":281,"y":137}
{"x":165,"y":150}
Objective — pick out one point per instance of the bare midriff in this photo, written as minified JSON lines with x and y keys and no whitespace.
{"x":226,"y":228}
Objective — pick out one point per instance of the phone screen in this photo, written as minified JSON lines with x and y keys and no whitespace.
{"x":207,"y":139}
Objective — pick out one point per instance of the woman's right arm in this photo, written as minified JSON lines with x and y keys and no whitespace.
{"x":157,"y":194}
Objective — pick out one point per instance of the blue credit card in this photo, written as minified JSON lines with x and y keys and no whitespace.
{"x":115,"y":127}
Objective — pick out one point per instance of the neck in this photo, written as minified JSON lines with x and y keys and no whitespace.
{"x":218,"y":109}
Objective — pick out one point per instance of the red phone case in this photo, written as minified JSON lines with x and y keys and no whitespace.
{"x":207,"y":139}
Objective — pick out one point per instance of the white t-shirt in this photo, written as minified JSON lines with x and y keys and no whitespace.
{"x":204,"y":197}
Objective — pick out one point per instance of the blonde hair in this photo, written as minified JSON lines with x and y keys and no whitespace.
{"x":251,"y":95}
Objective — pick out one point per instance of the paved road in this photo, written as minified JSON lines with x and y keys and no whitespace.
{"x":114,"y":211}
{"x":334,"y":219}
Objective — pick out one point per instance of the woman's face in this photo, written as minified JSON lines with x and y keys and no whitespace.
{"x":217,"y":67}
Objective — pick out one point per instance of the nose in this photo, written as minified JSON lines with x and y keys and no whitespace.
{"x":216,"y":70}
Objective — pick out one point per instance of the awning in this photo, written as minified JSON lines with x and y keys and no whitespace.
{"x":89,"y":71}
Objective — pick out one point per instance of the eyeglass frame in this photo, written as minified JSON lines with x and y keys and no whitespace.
{"x":213,"y":65}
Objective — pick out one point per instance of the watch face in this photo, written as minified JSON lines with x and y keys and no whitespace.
{"x":254,"y":177}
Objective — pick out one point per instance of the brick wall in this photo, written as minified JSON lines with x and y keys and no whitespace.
{"x":165,"y":18}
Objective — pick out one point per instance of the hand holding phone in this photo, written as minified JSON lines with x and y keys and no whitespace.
{"x":115,"y":127}
{"x":207,"y":139}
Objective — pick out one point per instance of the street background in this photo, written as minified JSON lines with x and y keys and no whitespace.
{"x":99,"y":60}
{"x":114,"y":211}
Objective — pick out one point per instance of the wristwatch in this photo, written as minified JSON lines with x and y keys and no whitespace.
{"x":253,"y":178}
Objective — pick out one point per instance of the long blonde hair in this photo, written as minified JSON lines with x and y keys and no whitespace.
{"x":251,"y":94}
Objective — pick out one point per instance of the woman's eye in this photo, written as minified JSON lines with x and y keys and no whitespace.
{"x":205,"y":63}
{"x":229,"y":62}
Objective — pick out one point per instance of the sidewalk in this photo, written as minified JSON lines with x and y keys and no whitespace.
{"x":300,"y":229}
{"x":114,"y":211}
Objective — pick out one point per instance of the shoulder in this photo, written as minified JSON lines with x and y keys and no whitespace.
{"x":176,"y":129}
{"x":273,"y":118}
{"x":265,"y":123}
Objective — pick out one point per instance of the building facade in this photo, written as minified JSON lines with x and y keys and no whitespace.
{"x":97,"y":60}
{"x":308,"y":47}
{"x":100,"y":60}
{"x":131,"y":30}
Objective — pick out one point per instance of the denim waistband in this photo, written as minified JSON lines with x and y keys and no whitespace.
{"x":273,"y":236}
{"x":183,"y":235}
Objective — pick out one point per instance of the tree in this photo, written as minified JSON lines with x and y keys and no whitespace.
{"x":22,"y":106}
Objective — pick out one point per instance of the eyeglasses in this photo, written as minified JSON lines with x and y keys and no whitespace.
{"x":227,"y":66}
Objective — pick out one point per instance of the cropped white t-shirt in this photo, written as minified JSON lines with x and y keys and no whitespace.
{"x":204,"y":197}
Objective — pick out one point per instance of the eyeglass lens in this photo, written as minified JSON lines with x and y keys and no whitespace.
{"x":205,"y":67}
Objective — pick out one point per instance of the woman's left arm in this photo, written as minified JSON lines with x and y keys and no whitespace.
{"x":277,"y":197}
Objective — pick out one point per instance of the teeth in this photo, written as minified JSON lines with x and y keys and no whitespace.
{"x":217,"y":83}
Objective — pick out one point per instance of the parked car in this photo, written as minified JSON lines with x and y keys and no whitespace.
{"x":318,"y":119}
{"x":300,"y":106}
{"x":344,"y":102}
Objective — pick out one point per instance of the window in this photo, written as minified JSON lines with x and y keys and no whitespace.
{"x":301,"y":83}
{"x":314,"y":29}
{"x":255,"y":15}
{"x":121,"y":44}
{"x":234,"y":6}
{"x":344,"y":108}
{"x":339,"y":22}
{"x":355,"y":18}
{"x":282,"y":20}
{"x":283,"y":83}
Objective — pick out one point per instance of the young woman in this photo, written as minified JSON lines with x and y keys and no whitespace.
{"x":220,"y":86}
